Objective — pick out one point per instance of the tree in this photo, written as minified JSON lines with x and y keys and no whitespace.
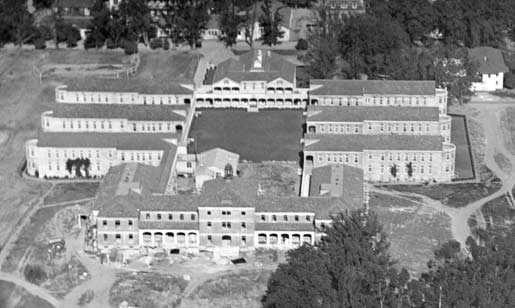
{"x":350,"y":268}
{"x":393,"y":170}
{"x":42,"y":4}
{"x":322,"y":53}
{"x":230,"y":23}
{"x":186,"y":21}
{"x":135,"y":15}
{"x":455,"y":71}
{"x":100,"y":24}
{"x":16,"y":23}
{"x":35,"y":274}
{"x":270,"y":21}
{"x":299,"y":3}
{"x":250,"y":18}
{"x":409,"y":169}
{"x":416,"y":16}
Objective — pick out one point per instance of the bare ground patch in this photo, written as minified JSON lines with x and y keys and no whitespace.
{"x":414,"y":231}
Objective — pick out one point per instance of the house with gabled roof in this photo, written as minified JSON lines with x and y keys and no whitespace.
{"x":491,"y":68}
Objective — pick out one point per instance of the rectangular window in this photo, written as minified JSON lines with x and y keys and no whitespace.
{"x":181,"y":217}
{"x":104,"y":223}
{"x":209,"y":224}
{"x":263,"y":218}
{"x":131,"y":237}
{"x":242,"y":213}
{"x":158,"y":216}
{"x":117,"y":224}
{"x":243,"y":225}
{"x":130,"y":223}
{"x":105,"y":237}
{"x":192,"y":216}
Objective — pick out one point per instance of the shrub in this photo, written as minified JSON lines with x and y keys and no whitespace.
{"x":86,"y":298}
{"x":35,"y":274}
{"x":302,"y":44}
{"x":130,"y":47}
{"x":509,"y":80}
{"x":40,"y":43}
{"x":156,"y":43}
{"x":110,"y":44}
{"x":166,"y":44}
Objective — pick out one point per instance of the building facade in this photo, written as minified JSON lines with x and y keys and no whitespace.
{"x":228,"y":214}
{"x":395,"y":131}
{"x":491,"y":68}
{"x":258,"y":79}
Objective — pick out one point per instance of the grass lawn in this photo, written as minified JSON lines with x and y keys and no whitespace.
{"x":414,"y":232}
{"x":78,"y":57}
{"x":12,"y":296}
{"x":498,"y":215}
{"x":508,"y":125}
{"x":454,"y":195}
{"x":71,"y":191}
{"x":263,"y":136}
{"x":464,"y":165}
{"x":180,"y":67}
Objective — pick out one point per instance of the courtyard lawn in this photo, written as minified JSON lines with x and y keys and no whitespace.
{"x":263,"y":136}
{"x":464,"y":165}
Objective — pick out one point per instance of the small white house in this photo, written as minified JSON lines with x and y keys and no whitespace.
{"x":491,"y":68}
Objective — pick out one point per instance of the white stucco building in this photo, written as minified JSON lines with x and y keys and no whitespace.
{"x":491,"y":68}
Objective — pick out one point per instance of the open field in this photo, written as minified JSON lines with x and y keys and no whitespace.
{"x":263,"y":136}
{"x":453,"y":195}
{"x":22,"y":101}
{"x":161,"y":66}
{"x":414,"y":231}
{"x":92,"y":56}
{"x":497,"y":216}
{"x":464,"y":165}
{"x":275,"y":179}
{"x":12,"y":296}
{"x":71,"y":191}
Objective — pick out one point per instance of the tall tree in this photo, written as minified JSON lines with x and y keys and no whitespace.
{"x":230,"y":22}
{"x":270,"y":21}
{"x":135,"y":15}
{"x":17,"y":24}
{"x":350,"y":268}
{"x":195,"y":19}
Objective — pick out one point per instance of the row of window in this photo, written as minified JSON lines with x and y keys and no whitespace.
{"x":117,"y":223}
{"x":147,"y":99}
{"x":129,"y":156}
{"x":356,"y":128}
{"x":284,"y":218}
{"x":169,"y":216}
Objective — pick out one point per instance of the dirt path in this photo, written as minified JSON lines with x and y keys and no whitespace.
{"x":26,"y":219}
{"x":100,"y":282}
{"x":490,"y":118}
{"x":31,"y":288}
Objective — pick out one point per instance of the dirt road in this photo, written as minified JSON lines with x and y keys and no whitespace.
{"x":31,"y":288}
{"x":490,"y":118}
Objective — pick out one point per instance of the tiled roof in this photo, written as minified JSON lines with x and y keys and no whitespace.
{"x":121,"y":111}
{"x":273,"y":67}
{"x":490,"y":60}
{"x":358,"y":143}
{"x":283,"y":226}
{"x":218,"y":158}
{"x":120,"y":141}
{"x":214,"y":22}
{"x":373,"y":87}
{"x":132,"y":85}
{"x":372,"y":113}
{"x":352,"y":183}
{"x":169,"y":225}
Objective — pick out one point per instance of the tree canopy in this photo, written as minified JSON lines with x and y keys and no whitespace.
{"x":351,"y":267}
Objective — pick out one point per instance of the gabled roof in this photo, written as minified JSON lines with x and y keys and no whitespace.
{"x":372,"y":113}
{"x":120,"y":141}
{"x":358,"y":143}
{"x":217,"y":158}
{"x":272,"y":66}
{"x":132,"y":85}
{"x":351,"y":182}
{"x":490,"y":60}
{"x":121,"y":111}
{"x":372,"y":87}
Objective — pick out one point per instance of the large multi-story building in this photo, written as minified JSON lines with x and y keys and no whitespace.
{"x":258,"y":79}
{"x":134,"y":133}
{"x":396,"y":131}
{"x":225,"y":214}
